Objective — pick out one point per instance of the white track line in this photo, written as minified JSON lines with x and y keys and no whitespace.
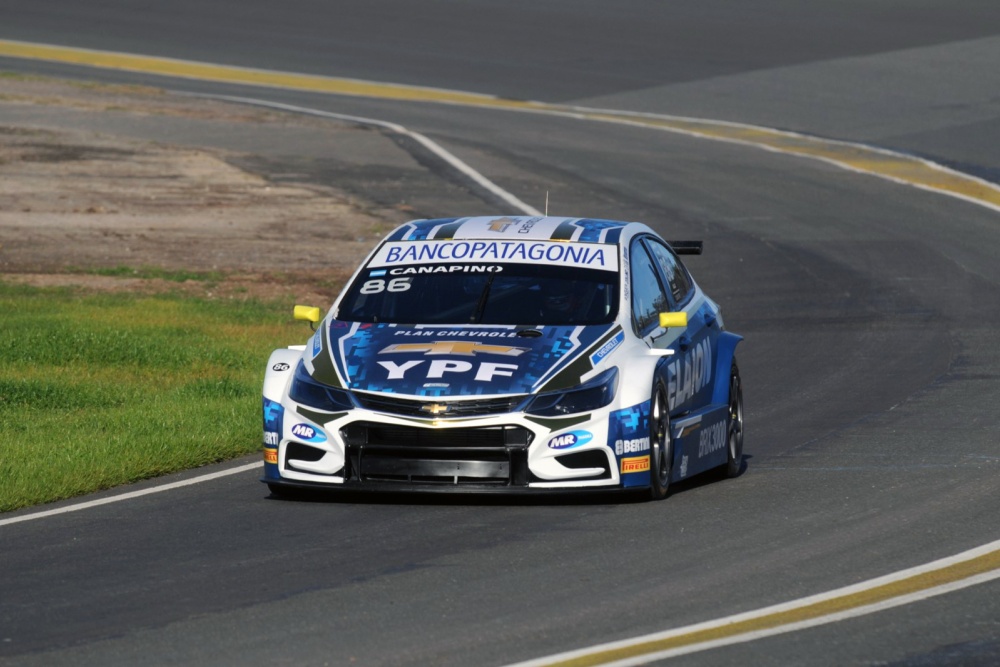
{"x":907,"y":594}
{"x":131,"y":494}
{"x":430,"y":145}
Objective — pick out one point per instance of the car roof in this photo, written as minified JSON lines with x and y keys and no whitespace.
{"x":517,"y":227}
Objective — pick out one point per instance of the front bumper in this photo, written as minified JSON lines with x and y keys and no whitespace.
{"x":512,"y":452}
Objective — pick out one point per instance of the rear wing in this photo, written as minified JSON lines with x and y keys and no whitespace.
{"x":687,"y":247}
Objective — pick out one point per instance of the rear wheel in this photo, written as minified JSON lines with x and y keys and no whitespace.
{"x":660,"y":444}
{"x":734,"y":458}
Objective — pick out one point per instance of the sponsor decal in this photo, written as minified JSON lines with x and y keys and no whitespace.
{"x":270,"y":455}
{"x":454,"y":268}
{"x":626,"y":277}
{"x":712,"y":439}
{"x":463,"y":348}
{"x":271,"y":438}
{"x":377,"y":273}
{"x":526,"y":226}
{"x":689,"y":373}
{"x":585,"y":255}
{"x":684,"y":466}
{"x":631,"y":446}
{"x":317,"y":343}
{"x":635,"y":464}
{"x":436,"y":369}
{"x":280,"y":367}
{"x":436,"y":385}
{"x":308,"y":433}
{"x":607,"y":348}
{"x":456,"y":332}
{"x":570,"y":440}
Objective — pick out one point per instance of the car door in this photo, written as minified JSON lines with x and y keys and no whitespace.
{"x":691,"y":370}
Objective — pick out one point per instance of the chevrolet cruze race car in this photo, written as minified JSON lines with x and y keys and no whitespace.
{"x":508,"y":354}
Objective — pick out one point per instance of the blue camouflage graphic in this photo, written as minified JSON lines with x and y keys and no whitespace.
{"x":593,"y":228}
{"x":420,"y":230}
{"x":628,"y":436}
{"x":445,"y":361}
{"x":274,"y":415}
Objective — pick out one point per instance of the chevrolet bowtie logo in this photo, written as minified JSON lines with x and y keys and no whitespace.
{"x":434,"y":408}
{"x":464,"y":348}
{"x":500,"y":224}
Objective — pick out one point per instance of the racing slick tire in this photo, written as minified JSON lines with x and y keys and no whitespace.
{"x":734,"y":448}
{"x":661,"y":450}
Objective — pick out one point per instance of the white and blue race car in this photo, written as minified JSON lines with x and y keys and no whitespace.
{"x":510,"y":354}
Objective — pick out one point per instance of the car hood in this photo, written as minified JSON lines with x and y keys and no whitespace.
{"x":455,"y":361}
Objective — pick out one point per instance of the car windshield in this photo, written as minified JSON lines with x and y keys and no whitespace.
{"x":457,"y":293}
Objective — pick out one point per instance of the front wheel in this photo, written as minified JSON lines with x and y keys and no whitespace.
{"x":660,"y":444}
{"x":734,"y":458}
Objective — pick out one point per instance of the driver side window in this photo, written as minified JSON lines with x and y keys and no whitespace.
{"x":648,"y":297}
{"x":677,"y":277}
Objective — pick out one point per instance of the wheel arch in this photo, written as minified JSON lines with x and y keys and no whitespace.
{"x":725,"y":352}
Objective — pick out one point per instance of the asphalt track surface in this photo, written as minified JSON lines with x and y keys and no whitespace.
{"x":871,"y":364}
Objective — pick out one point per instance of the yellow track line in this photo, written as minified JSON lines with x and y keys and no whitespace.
{"x":897,"y":167}
{"x":188,"y":69}
{"x":966,"y":569}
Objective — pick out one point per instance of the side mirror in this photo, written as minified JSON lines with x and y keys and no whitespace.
{"x":308,"y":313}
{"x":673,"y":320}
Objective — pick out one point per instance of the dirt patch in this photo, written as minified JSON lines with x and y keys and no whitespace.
{"x":76,"y":203}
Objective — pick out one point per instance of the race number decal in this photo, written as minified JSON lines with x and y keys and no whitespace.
{"x":378,"y":286}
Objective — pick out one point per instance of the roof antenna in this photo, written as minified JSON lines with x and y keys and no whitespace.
{"x":546,"y":203}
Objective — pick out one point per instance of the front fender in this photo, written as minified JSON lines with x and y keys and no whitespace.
{"x":280,"y":366}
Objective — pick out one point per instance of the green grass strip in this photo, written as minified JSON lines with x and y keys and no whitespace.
{"x":150,"y":272}
{"x":102,"y":390}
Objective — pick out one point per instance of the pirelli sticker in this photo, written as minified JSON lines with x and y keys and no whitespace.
{"x":635,"y":464}
{"x":270,"y":455}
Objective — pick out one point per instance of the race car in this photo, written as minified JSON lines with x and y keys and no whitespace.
{"x":515,"y":354}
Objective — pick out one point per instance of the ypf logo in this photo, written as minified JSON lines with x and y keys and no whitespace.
{"x":436,"y":369}
{"x":308,"y":433}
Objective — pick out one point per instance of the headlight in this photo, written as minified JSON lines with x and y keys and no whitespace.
{"x":590,"y":396}
{"x":307,"y":391}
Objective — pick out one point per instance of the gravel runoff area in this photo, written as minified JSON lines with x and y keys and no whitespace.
{"x":76,"y":202}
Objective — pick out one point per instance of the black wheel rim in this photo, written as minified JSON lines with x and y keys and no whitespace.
{"x":735,"y":418}
{"x":661,"y":444}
